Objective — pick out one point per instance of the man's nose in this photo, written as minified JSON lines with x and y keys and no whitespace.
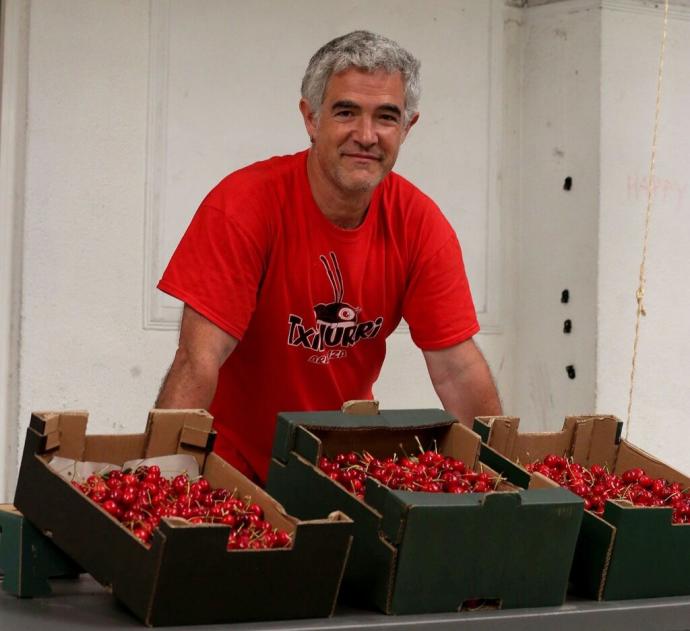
{"x":366,"y":134}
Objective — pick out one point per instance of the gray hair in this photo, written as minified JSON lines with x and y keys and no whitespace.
{"x":365,"y":50}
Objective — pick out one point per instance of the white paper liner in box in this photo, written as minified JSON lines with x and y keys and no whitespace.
{"x":77,"y":470}
{"x":170,"y":466}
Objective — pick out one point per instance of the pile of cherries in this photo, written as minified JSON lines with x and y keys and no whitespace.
{"x":140,"y":498}
{"x":429,"y":472}
{"x":596,"y":485}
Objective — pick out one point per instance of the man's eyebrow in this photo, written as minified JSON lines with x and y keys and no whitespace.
{"x":386,"y":107}
{"x":390,"y":107}
{"x":344,"y":103}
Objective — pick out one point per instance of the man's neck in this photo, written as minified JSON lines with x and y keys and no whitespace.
{"x":344,"y":210}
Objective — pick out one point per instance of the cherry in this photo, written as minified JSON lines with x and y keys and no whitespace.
{"x":595,"y":485}
{"x":112,"y":507}
{"x":429,"y":472}
{"x":139,"y":499}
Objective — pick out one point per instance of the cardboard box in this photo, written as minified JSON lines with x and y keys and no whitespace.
{"x":630,"y":551}
{"x":27,"y":558}
{"x":186,"y":576}
{"x":427,"y":552}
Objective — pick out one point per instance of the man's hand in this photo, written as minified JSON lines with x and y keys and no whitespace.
{"x":463,"y":382}
{"x":202,"y":350}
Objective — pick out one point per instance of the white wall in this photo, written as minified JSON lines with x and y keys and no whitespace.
{"x":14,"y":56}
{"x":588,"y":97}
{"x":556,"y":230}
{"x":82,"y":344}
{"x":630,"y":55}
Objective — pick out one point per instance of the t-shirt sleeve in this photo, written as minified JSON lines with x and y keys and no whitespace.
{"x":438,"y":305}
{"x":217,"y":269}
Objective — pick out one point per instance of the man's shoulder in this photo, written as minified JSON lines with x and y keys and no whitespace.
{"x":412,"y":212}
{"x":398,"y":188}
{"x":264,"y":179}
{"x":404,"y":200}
{"x":273,"y":167}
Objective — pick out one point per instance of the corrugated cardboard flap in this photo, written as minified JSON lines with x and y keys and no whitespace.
{"x":222,"y":474}
{"x":461,"y":443}
{"x":514,"y":473}
{"x":595,"y":439}
{"x":535,"y":446}
{"x":307,"y":445}
{"x":592,"y":555}
{"x":199,"y":438}
{"x":360,"y":407}
{"x":284,"y":440}
{"x":552,"y":496}
{"x":498,"y":431}
{"x":45,"y":423}
{"x":630,"y":456}
{"x":61,"y":430}
{"x":179,"y":431}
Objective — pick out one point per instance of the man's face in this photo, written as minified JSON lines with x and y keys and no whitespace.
{"x":359,"y":129}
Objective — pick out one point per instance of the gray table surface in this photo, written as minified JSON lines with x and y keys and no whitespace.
{"x":83,"y":604}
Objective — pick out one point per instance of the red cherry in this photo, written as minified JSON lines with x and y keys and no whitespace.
{"x":351,"y":458}
{"x":632,"y":475}
{"x":427,"y":458}
{"x":471,"y":476}
{"x":128,"y":479}
{"x":112,"y":507}
{"x":325,"y":464}
{"x":459,"y":466}
{"x":143,"y":534}
{"x":597,"y":471}
{"x":554,"y":462}
{"x":645,"y":481}
{"x":229,"y":520}
{"x":283,"y":539}
{"x":180,"y":484}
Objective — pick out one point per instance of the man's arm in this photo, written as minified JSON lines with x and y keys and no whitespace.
{"x":463,"y":382}
{"x":193,"y":376}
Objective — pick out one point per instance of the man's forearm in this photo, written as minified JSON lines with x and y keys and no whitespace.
{"x":189,"y":384}
{"x":470,"y":394}
{"x":462,"y":379}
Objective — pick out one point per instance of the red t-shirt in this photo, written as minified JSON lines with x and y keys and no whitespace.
{"x":311,"y":303}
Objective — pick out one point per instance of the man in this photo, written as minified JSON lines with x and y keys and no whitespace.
{"x":295,"y":270}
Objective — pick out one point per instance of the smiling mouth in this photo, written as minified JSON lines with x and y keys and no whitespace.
{"x":362,"y":156}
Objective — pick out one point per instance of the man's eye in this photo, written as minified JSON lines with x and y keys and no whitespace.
{"x":389,"y":118}
{"x":344,"y":113}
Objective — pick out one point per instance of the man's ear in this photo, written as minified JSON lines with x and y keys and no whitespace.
{"x":309,"y":117}
{"x":413,"y":120}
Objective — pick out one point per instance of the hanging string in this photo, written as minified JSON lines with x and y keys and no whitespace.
{"x":639,"y":295}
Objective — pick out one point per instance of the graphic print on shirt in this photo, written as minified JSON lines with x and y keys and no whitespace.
{"x":336,"y":323}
